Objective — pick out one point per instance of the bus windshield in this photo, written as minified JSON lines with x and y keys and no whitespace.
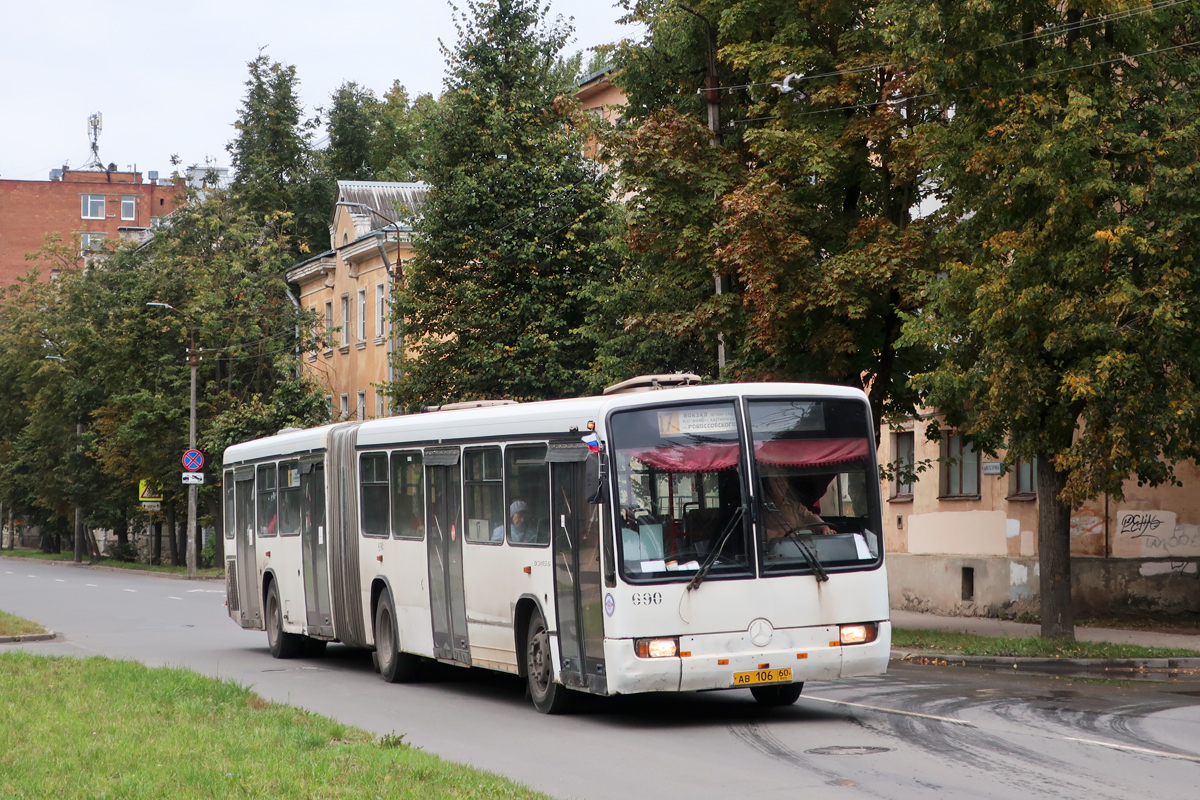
{"x":679,"y":483}
{"x":817,"y":496}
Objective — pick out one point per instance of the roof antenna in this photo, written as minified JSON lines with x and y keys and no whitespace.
{"x":95,"y":125}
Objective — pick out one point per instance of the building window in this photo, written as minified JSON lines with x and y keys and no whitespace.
{"x":345,"y":405}
{"x":1023,"y":480}
{"x":329,"y":404}
{"x":380,"y":310}
{"x":902,"y":464}
{"x":128,"y":208}
{"x":90,"y":242}
{"x":345,"y":320}
{"x":93,"y":206}
{"x":380,"y":410}
{"x":959,"y":468}
{"x":362,"y":315}
{"x":360,"y":409}
{"x":329,"y":323}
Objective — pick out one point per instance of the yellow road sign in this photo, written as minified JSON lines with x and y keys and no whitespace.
{"x":148,"y":491}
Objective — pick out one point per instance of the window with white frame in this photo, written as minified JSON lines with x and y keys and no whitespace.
{"x":380,"y":409}
{"x":329,"y":405}
{"x":959,"y":467}
{"x":362,"y":315}
{"x":128,"y":208}
{"x":345,"y":320}
{"x":92,"y":206}
{"x":329,"y":323}
{"x":902,"y":463}
{"x":360,"y":409}
{"x":90,"y":242}
{"x":380,"y":310}
{"x":345,"y":405}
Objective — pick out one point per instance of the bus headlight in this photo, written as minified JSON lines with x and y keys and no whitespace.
{"x":862,"y":633}
{"x":667,"y":647}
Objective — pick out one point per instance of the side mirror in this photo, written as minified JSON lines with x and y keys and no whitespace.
{"x":595,"y":478}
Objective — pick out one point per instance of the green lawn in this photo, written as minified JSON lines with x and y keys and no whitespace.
{"x":15,"y":626}
{"x":68,"y":555}
{"x":104,"y":728}
{"x":969,"y":644}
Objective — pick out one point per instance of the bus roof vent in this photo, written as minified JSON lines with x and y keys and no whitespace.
{"x":469,"y":404}
{"x":288,"y":429}
{"x":648,"y":383}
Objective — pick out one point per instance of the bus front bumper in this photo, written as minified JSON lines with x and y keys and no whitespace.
{"x":711,"y":661}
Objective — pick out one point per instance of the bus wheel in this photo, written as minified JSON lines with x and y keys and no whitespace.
{"x":394,"y":666}
{"x":548,"y":697}
{"x":772,"y":696}
{"x":283,"y":645}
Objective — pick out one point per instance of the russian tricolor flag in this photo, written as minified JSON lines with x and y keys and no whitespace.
{"x":592,"y":442}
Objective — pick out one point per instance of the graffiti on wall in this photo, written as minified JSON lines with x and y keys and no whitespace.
{"x":1153,"y":534}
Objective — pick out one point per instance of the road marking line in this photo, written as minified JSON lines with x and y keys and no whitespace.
{"x":885,"y":710}
{"x":59,"y":580}
{"x":89,"y":584}
{"x":206,"y":591}
{"x":171,"y":597}
{"x":132,"y":590}
{"x":1132,"y":749}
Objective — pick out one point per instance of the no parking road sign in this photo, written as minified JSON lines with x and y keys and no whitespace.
{"x":193,"y":460}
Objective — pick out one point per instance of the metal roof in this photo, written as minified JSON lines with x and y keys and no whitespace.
{"x":395,"y":203}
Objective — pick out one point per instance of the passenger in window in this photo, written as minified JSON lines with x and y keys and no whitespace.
{"x":521,"y":531}
{"x":796,"y":499}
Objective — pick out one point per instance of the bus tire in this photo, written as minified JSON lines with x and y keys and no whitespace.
{"x":283,"y":645}
{"x":548,"y":697}
{"x":394,"y":666}
{"x":775,"y":696}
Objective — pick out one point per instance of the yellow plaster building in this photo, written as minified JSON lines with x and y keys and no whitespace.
{"x":348,"y":288}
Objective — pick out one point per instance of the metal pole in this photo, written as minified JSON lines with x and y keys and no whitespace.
{"x":191,"y":522}
{"x":78,"y":510}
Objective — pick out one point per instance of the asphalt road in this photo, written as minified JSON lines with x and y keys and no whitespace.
{"x":915,"y":732}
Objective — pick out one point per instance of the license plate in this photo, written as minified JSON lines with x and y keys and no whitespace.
{"x":783,"y":675}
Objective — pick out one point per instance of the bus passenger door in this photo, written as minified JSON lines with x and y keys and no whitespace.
{"x":444,"y":540}
{"x":247,"y":562}
{"x":315,"y":549}
{"x":577,"y":584}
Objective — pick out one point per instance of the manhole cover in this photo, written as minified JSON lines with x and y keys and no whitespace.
{"x":844,"y":750}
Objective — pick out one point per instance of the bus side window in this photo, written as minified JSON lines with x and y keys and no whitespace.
{"x":268,"y":511}
{"x":289,"y":499}
{"x":408,"y":495}
{"x":373,"y":482}
{"x":484,"y":501}
{"x":527,"y":495}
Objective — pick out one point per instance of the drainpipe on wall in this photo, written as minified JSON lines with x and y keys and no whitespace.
{"x":296,"y":303}
{"x":1107,"y":544}
{"x":393,"y":278}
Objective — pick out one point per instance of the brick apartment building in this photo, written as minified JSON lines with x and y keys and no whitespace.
{"x":79,"y":205}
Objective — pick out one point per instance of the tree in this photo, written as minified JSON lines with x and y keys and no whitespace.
{"x":767,"y":160}
{"x":273,"y":158}
{"x":354,"y":118}
{"x":1066,"y":310}
{"x":512,"y":233}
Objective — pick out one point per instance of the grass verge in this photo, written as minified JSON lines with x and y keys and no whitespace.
{"x":15,"y":626}
{"x":103,"y":728}
{"x":209,"y":572}
{"x":970,"y":644}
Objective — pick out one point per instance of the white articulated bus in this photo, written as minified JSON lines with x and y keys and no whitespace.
{"x":692,"y":538}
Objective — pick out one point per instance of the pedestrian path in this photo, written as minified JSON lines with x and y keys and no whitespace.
{"x":987,"y":626}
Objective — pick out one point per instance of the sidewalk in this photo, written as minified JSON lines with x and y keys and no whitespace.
{"x":986,"y":626}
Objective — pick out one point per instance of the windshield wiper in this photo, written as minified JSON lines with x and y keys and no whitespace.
{"x":805,"y":549}
{"x":712,"y":557}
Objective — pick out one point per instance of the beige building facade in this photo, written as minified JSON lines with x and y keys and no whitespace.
{"x":962,"y":538}
{"x":348,"y":289}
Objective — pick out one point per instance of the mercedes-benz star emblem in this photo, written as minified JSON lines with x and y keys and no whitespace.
{"x":761,"y":632}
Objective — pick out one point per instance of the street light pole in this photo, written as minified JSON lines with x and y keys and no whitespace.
{"x":193,"y":362}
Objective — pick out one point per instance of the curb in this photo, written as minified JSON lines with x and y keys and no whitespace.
{"x":106,"y":568}
{"x":1051,"y":665}
{"x":28,"y":637}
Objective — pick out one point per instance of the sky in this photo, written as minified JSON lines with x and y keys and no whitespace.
{"x":169,"y":76}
